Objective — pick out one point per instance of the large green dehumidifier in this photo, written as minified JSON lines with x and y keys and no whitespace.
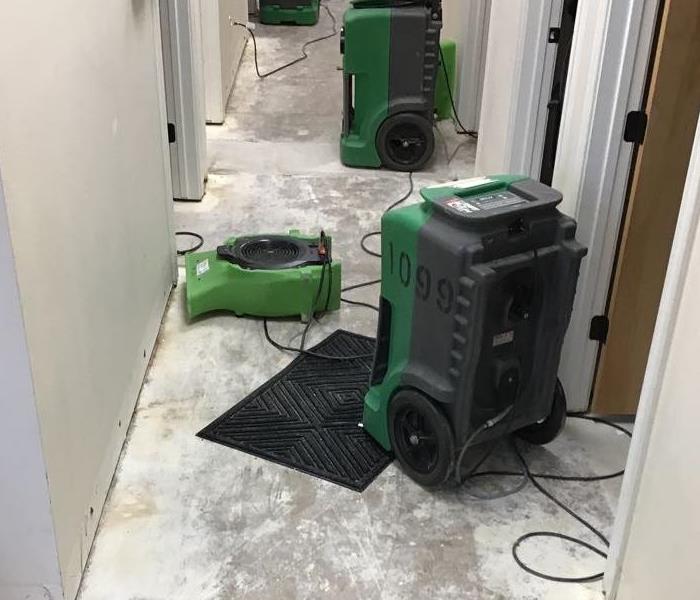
{"x":289,"y":12}
{"x":265,"y":276}
{"x":477,"y":289}
{"x":391,"y":56}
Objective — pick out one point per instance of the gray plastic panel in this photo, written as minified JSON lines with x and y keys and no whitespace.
{"x":500,"y":303}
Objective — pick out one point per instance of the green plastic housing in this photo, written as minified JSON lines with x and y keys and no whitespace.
{"x":214,"y":284}
{"x":304,"y":14}
{"x":367,"y":41}
{"x":401,"y":228}
{"x":443,"y":106}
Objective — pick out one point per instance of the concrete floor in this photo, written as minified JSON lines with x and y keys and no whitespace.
{"x":191,"y":520}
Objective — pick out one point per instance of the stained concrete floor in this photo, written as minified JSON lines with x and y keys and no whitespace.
{"x":191,"y":520}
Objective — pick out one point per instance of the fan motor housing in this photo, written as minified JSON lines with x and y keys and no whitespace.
{"x":264,"y":276}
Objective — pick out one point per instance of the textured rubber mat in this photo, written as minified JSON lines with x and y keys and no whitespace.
{"x":307,"y":416}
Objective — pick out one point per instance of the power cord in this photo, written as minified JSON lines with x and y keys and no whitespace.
{"x":464,"y":131}
{"x":196,"y":246}
{"x":365,"y":237}
{"x":296,"y":61}
{"x":534,"y":478}
{"x":356,"y":303}
{"x":326,"y":260}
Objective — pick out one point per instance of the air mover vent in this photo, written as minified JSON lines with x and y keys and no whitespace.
{"x":271,"y":252}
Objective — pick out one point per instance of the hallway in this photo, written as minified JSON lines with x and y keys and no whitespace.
{"x":187,"y":519}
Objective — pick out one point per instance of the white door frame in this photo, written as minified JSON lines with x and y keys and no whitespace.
{"x":184,"y":92}
{"x":472,"y":17}
{"x":607,"y":74}
{"x":517,"y":86}
{"x":165,"y":147}
{"x":683,"y":242}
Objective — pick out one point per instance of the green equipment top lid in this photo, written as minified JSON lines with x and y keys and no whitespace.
{"x":487,"y":198}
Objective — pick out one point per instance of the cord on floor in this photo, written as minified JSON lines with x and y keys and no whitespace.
{"x":534,"y":478}
{"x":196,"y":246}
{"x":296,"y":61}
{"x":448,"y":85}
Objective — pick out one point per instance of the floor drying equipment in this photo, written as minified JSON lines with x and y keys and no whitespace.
{"x":391,"y":56}
{"x":477,"y":289}
{"x":265,"y":276}
{"x":289,"y":12}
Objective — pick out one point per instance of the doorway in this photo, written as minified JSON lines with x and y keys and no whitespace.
{"x":664,"y":138}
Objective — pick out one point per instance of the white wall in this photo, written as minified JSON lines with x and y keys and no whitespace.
{"x":466,"y":22}
{"x":654,"y":552}
{"x":223,"y":46}
{"x":517,"y":86}
{"x":85,"y":170}
{"x":28,"y":557}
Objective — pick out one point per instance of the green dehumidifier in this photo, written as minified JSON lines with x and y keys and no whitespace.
{"x":477,"y":289}
{"x":289,"y":12}
{"x":265,"y":276}
{"x":391,"y":55}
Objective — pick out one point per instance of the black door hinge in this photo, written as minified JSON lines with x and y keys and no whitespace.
{"x":554,"y":35}
{"x":600,"y":325}
{"x":171,"y":133}
{"x":635,"y":126}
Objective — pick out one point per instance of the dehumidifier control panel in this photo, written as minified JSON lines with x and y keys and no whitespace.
{"x":488,"y":198}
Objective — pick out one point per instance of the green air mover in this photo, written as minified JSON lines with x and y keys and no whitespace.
{"x":265,"y":276}
{"x":390,"y":62}
{"x":289,"y":12}
{"x":478,"y":283}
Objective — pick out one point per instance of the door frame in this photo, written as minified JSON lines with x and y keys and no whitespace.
{"x":610,"y":58}
{"x":165,"y":147}
{"x":681,"y":252}
{"x":474,"y":17}
{"x":518,"y":51}
{"x":184,"y":94}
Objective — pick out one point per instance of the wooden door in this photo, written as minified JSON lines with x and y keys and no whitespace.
{"x":656,"y":188}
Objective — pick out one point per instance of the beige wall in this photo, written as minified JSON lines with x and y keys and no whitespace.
{"x":86,"y":182}
{"x":222,"y":45}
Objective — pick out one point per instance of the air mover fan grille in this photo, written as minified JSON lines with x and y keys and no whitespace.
{"x":271,"y":252}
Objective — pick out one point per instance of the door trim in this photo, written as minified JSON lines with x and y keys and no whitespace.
{"x":610,"y":58}
{"x":683,"y":242}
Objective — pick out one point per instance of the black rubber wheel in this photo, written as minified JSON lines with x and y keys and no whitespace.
{"x":548,"y":429}
{"x":421,"y":437}
{"x":405,"y":142}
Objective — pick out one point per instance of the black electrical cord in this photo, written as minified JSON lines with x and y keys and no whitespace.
{"x":197,"y":245}
{"x":552,"y":534}
{"x":365,"y":237}
{"x":365,"y":248}
{"x":464,"y":131}
{"x":533,"y":478}
{"x":356,"y":303}
{"x":325,"y":265}
{"x":296,"y":61}
{"x":310,"y":352}
{"x":510,"y":410}
{"x":361,"y":285}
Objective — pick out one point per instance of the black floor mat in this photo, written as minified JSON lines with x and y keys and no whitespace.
{"x":307,"y":416}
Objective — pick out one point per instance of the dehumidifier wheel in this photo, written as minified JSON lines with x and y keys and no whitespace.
{"x":421,"y":437}
{"x":405,"y":142}
{"x":548,"y":429}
